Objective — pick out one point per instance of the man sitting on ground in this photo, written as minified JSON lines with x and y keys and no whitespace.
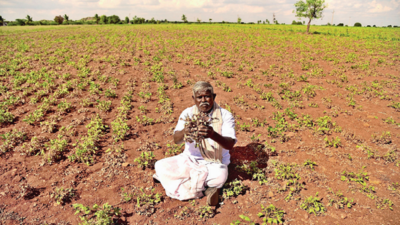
{"x":186,"y":175}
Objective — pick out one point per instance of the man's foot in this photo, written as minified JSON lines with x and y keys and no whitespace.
{"x":212,"y":196}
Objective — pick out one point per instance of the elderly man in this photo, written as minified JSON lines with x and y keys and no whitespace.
{"x":187,"y":175}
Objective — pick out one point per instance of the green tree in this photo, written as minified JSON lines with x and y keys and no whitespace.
{"x":311,"y":9}
{"x":59,"y":19}
{"x":126,"y":20}
{"x":114,"y":19}
{"x":184,"y":19}
{"x":97,"y":18}
{"x":138,"y":20}
{"x":357,"y":24}
{"x":1,"y":20}
{"x":103,"y":19}
{"x":267,"y":21}
{"x":210,"y":20}
{"x":239,"y":20}
{"x":28,"y":20}
{"x":66,"y":18}
{"x":198,"y":20}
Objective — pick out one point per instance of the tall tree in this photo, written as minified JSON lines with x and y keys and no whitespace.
{"x":239,"y":20}
{"x":311,"y":9}
{"x":184,"y":19}
{"x":28,"y":19}
{"x":96,"y":18}
{"x":1,"y":21}
{"x":210,"y":20}
{"x":66,"y":18}
{"x":126,"y":20}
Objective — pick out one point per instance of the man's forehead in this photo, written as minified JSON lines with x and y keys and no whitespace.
{"x":203,"y":92}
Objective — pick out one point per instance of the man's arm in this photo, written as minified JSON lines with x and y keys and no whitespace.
{"x":178,"y":135}
{"x":225,"y":142}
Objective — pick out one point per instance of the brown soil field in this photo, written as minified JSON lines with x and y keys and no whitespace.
{"x":318,"y":120}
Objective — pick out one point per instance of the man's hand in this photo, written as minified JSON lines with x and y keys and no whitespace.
{"x":206,"y":131}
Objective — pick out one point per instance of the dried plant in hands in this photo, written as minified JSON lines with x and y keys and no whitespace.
{"x":192,"y":124}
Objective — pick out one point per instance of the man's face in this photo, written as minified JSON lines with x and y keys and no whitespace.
{"x":204,"y":100}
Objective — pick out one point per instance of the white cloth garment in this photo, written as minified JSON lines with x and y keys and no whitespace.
{"x":228,"y":130}
{"x":185,"y":176}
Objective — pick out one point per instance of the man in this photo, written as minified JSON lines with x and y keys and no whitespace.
{"x":185,"y":176}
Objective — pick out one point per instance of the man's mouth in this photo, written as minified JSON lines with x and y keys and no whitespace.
{"x":204,"y":104}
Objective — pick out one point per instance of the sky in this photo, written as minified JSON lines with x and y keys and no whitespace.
{"x":367,"y":12}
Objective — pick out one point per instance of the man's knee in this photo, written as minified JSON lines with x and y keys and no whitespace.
{"x":160,"y":165}
{"x":218,"y":174}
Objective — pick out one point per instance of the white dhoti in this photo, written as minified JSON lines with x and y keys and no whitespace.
{"x":185,"y":177}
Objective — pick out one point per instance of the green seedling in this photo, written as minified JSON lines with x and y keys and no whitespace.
{"x":314,"y":205}
{"x":174,"y":149}
{"x":385,"y":138}
{"x":339,"y":200}
{"x":96,"y":214}
{"x":271,"y":214}
{"x":62,"y":196}
{"x":12,"y":139}
{"x":145,"y":160}
{"x":233,"y":189}
{"x":310,"y":164}
{"x":104,"y":105}
{"x":205,"y":212}
{"x":119,"y":129}
{"x":335,"y":142}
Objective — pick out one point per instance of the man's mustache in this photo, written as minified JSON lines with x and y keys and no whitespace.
{"x":204,"y":103}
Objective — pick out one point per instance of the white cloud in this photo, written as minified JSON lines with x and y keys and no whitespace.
{"x":109,"y":3}
{"x":378,"y":7}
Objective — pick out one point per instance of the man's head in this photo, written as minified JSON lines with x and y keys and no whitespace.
{"x":203,"y":96}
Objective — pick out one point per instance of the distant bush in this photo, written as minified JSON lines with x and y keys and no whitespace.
{"x":89,"y":22}
{"x":59,"y":19}
{"x":340,"y":25}
{"x":389,"y":26}
{"x":138,"y":20}
{"x":357,"y":24}
{"x":77,"y":22}
{"x":394,"y":26}
{"x":297,"y":22}
{"x":10,"y":24}
{"x":20,"y":22}
{"x":374,"y":26}
{"x":153,"y":21}
{"x":368,"y":25}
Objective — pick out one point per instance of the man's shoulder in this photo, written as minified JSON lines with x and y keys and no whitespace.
{"x":187,"y":111}
{"x":226,"y":114}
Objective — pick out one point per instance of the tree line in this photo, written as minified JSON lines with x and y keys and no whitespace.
{"x":308,"y":9}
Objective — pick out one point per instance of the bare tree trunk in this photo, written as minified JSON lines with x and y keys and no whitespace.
{"x":308,"y":26}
